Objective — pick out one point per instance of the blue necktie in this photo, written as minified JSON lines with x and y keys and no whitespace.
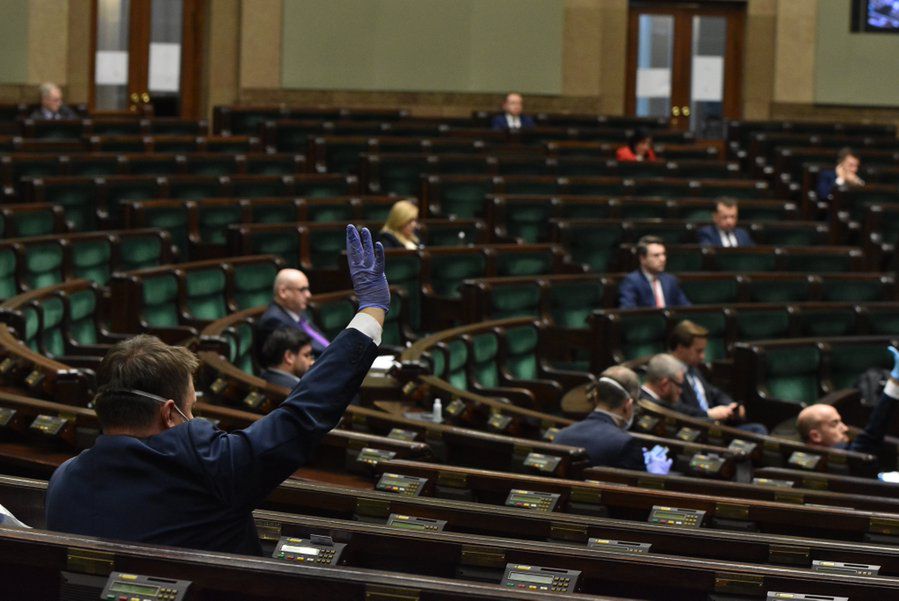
{"x":700,"y":392}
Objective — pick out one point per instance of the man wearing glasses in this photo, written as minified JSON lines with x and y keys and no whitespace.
{"x":290,"y":298}
{"x":157,"y":475}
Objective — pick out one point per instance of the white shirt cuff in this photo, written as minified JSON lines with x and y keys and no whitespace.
{"x":368,"y":325}
{"x":891,"y":389}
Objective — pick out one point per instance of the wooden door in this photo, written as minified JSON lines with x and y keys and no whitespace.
{"x":146,"y":57}
{"x":684,"y":62}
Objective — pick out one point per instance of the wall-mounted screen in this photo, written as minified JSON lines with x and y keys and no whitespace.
{"x":879,"y":16}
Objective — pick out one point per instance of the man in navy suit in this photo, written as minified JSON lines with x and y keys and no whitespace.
{"x":822,"y":425}
{"x":603,"y":433}
{"x":286,"y":356}
{"x":156,"y":475}
{"x":844,"y":174}
{"x":512,"y":118}
{"x":698,"y":396}
{"x":724,"y":232}
{"x":650,"y":286}
{"x":290,"y":297}
{"x":51,"y":107}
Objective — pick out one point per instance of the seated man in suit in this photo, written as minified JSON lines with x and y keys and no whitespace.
{"x":664,"y":380}
{"x":844,"y":174}
{"x":822,"y":425}
{"x":158,"y":476}
{"x":286,"y":355}
{"x":512,"y":118}
{"x":51,"y":104}
{"x":603,"y":433}
{"x":290,"y":297}
{"x":699,"y":398}
{"x":724,"y":232}
{"x":650,"y":286}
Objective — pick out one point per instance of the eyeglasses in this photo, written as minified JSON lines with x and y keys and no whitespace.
{"x":145,"y":395}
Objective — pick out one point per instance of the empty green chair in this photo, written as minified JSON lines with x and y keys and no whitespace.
{"x":456,"y":359}
{"x":91,"y":258}
{"x":52,"y":340}
{"x":762,"y":324}
{"x":81,"y":308}
{"x":159,"y":307}
{"x":572,"y":302}
{"x":642,"y":333}
{"x":322,"y":186}
{"x":332,"y":315}
{"x":594,"y":243}
{"x":516,"y":300}
{"x":194,"y":187}
{"x":205,"y":295}
{"x":173,"y":217}
{"x":211,"y":164}
{"x":883,"y":319}
{"x":715,"y":291}
{"x":779,"y":290}
{"x":461,"y":196}
{"x":214,"y":217}
{"x":528,"y":220}
{"x":44,"y":262}
{"x":517,"y":262}
{"x":744,"y":259}
{"x":151,"y":164}
{"x":76,"y":195}
{"x":792,"y":373}
{"x":139,"y":249}
{"x":816,"y":322}
{"x":9,"y":286}
{"x":403,"y":270}
{"x":449,"y":270}
{"x":260,"y":186}
{"x":240,"y":346}
{"x":252,"y":283}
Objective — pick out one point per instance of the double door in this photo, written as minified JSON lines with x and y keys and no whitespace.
{"x":146,"y":56}
{"x":684,"y":62}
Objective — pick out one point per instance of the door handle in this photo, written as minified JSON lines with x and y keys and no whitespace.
{"x":685,"y":111}
{"x":145,"y":97}
{"x":135,"y":97}
{"x":675,"y":110}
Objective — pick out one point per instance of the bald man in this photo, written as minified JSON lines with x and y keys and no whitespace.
{"x":822,"y":425}
{"x":290,"y":297}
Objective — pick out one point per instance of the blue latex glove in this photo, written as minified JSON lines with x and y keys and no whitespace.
{"x":895,"y":352}
{"x":366,"y":263}
{"x":657,"y":461}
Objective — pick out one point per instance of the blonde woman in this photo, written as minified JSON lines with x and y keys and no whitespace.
{"x":399,"y":230}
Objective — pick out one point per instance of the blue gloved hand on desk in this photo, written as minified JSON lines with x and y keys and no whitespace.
{"x":895,"y":352}
{"x":366,"y":261}
{"x":657,"y":461}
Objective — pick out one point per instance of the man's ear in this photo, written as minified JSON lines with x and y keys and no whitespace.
{"x":170,"y":416}
{"x":288,"y":357}
{"x":814,"y":436}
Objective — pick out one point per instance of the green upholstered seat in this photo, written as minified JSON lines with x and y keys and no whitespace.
{"x":516,"y":263}
{"x":322,"y":189}
{"x":848,"y":362}
{"x":465,"y":199}
{"x":514,"y":300}
{"x":483,"y":358}
{"x":521,"y":352}
{"x":711,"y":292}
{"x":571,"y":303}
{"x":762,"y":324}
{"x":827,"y":322}
{"x":448,"y":271}
{"x":332,"y":316}
{"x":403,"y":270}
{"x":160,"y":300}
{"x":8,"y":283}
{"x":737,"y":259}
{"x":213,"y":220}
{"x":792,"y":373}
{"x":174,"y":220}
{"x":259,"y":187}
{"x":642,"y":335}
{"x":597,"y":246}
{"x":44,"y":264}
{"x":81,"y":308}
{"x":252,"y":283}
{"x":194,"y":188}
{"x":240,"y":345}
{"x":137,"y":251}
{"x":91,"y":259}
{"x":52,"y":339}
{"x":205,"y":293}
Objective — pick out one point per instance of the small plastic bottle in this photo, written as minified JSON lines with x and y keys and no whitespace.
{"x":437,"y":412}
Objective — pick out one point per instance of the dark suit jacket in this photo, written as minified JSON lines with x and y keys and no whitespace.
{"x":64,"y":112}
{"x":635,"y":291}
{"x":708,"y":236}
{"x":714,"y":396}
{"x":681,"y":407}
{"x":827,"y":179}
{"x":870,"y":439}
{"x":500,"y":123}
{"x":195,"y":485}
{"x":606,"y":443}
{"x":276,"y":317}
{"x":279,"y":378}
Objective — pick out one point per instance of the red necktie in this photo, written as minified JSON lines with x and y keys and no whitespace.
{"x":657,"y":292}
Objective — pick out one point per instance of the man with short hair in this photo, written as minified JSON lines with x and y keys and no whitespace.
{"x":156,"y":475}
{"x":664,"y":380}
{"x":724,"y":232}
{"x":286,"y":356}
{"x":51,"y":104}
{"x":603,"y":433}
{"x":699,"y":398}
{"x":650,"y":286}
{"x":822,"y":425}
{"x":512,"y":118}
{"x":290,"y":298}
{"x":844,"y":174}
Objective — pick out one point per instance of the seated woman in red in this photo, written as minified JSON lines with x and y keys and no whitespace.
{"x":639,"y":148}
